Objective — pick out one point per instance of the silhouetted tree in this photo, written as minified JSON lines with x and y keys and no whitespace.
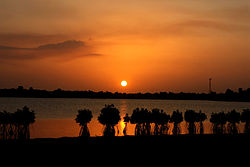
{"x":4,"y":122}
{"x":233,"y":118}
{"x":160,"y":120}
{"x":109,"y":117}
{"x":135,"y":119}
{"x":126,"y":120}
{"x":176,"y":118}
{"x":163,"y":122}
{"x":245,"y":117}
{"x":16,"y":125}
{"x":156,"y":119}
{"x":218,"y":120}
{"x":23,"y":118}
{"x":147,"y":115}
{"x":201,"y":117}
{"x":146,"y":120}
{"x":215,"y":123}
{"x":191,"y":117}
{"x":83,"y":118}
{"x":142,"y":119}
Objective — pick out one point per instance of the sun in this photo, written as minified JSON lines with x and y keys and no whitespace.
{"x":124,"y":83}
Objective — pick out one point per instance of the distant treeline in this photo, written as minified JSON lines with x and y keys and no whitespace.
{"x":229,"y":95}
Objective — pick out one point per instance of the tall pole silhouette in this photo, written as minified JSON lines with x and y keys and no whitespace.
{"x":210,"y":85}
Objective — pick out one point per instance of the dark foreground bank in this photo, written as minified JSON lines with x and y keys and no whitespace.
{"x":180,"y":141}
{"x":133,"y":149}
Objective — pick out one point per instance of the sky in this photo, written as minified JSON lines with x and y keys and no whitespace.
{"x":155,"y":46}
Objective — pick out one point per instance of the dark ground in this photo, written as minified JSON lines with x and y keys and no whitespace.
{"x":198,"y":150}
{"x":181,"y":141}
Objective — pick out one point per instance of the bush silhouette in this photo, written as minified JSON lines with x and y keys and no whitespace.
{"x":245,"y":117}
{"x":109,"y":117}
{"x":83,"y":118}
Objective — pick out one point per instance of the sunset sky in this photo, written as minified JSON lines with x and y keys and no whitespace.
{"x":155,"y":45}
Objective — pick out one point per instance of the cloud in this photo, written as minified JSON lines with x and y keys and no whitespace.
{"x":70,"y":44}
{"x":30,"y":39}
{"x":70,"y":49}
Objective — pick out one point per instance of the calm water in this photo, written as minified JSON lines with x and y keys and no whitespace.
{"x":55,"y":117}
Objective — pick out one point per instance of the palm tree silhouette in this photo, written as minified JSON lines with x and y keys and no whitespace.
{"x":176,"y":118}
{"x":245,"y":117}
{"x":83,"y":118}
{"x":201,"y":117}
{"x":109,"y":117}
{"x":233,"y":118}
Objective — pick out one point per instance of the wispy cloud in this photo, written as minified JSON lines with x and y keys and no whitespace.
{"x":70,"y":49}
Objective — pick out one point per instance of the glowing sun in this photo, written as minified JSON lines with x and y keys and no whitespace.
{"x":124,"y":83}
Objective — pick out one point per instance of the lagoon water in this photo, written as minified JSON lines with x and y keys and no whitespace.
{"x":55,"y":116}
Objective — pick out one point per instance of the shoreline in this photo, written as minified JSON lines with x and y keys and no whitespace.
{"x":109,"y":98}
{"x":139,"y":140}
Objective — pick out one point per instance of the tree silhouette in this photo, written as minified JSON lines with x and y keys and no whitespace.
{"x":142,"y":119}
{"x":160,"y":120}
{"x":136,"y":119}
{"x":233,"y":118}
{"x":126,"y":120}
{"x":146,"y":119}
{"x":176,"y":118}
{"x":23,"y":118}
{"x":218,"y":120}
{"x":191,"y":117}
{"x":109,"y":117}
{"x":4,"y":122}
{"x":245,"y":117}
{"x":156,"y":119}
{"x":165,"y":118}
{"x":83,"y":118}
{"x":163,"y":122}
{"x":200,"y":118}
{"x":215,"y":123}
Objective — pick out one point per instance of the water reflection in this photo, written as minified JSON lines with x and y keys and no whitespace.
{"x":55,"y":117}
{"x":123,"y":111}
{"x":54,"y":128}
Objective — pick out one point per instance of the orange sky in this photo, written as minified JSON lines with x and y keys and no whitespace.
{"x":161,"y":45}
